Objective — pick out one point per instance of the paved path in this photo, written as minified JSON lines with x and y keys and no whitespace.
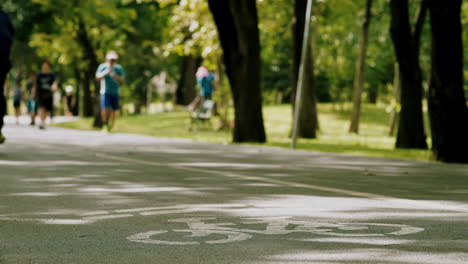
{"x":85,"y":197}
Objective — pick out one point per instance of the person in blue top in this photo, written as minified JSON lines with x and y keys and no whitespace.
{"x":6,"y":41}
{"x":111,"y":75}
{"x":206,"y":82}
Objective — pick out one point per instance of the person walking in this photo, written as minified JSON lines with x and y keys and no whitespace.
{"x":205,"y":80}
{"x":17,"y":98}
{"x":6,"y":41}
{"x":69,"y":101}
{"x":111,"y":75}
{"x":44,"y":89}
{"x":31,"y":102}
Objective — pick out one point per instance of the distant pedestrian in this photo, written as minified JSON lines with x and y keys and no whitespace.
{"x":56,"y":101}
{"x":6,"y":41}
{"x":17,"y":98}
{"x":32,"y":101}
{"x":69,"y":101}
{"x":44,"y":89}
{"x":111,"y":75}
{"x":205,"y":80}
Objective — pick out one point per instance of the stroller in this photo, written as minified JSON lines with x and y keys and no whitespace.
{"x":202,"y":114}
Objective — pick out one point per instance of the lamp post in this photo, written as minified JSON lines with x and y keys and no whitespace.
{"x":300,"y":81}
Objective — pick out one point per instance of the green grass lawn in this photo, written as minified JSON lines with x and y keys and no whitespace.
{"x":373,"y":139}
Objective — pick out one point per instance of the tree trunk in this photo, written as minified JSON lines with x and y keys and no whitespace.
{"x":83,"y":40}
{"x":222,"y":105}
{"x":360,"y":70}
{"x":373,"y":94}
{"x":89,"y":106}
{"x":447,"y":103}
{"x":237,"y":23}
{"x":138,"y":107}
{"x":411,"y":129}
{"x":394,"y":116}
{"x":308,"y":120}
{"x":87,"y":102}
{"x":186,"y":91}
{"x":78,"y":79}
{"x":149,"y":97}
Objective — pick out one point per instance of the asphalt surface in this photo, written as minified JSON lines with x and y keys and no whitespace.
{"x":86,"y":197}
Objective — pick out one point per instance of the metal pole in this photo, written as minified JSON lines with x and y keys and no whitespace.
{"x":300,"y":81}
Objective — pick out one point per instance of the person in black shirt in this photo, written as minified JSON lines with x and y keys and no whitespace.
{"x":6,"y":41}
{"x":44,"y":91}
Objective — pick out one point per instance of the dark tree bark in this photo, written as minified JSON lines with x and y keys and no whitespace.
{"x":237,"y":23}
{"x":373,"y":94}
{"x":89,"y":73}
{"x":308,"y":120}
{"x":87,"y":105}
{"x":91,"y":103}
{"x":222,"y":104}
{"x":186,"y":91}
{"x":394,"y":114}
{"x":360,"y":70}
{"x":447,"y":103}
{"x":78,"y":79}
{"x":406,"y":44}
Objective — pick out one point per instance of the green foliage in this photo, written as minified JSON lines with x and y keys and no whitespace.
{"x":337,"y":26}
{"x":153,"y":35}
{"x":276,"y":38}
{"x":191,"y":30}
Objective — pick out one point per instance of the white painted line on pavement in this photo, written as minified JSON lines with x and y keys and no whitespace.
{"x":137,"y":210}
{"x":94,"y":213}
{"x":163,"y":212}
{"x":417,"y":204}
{"x":358,"y":240}
{"x":130,"y":160}
{"x":105,"y":217}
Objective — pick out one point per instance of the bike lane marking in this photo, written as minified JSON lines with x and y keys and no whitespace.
{"x":340,"y":232}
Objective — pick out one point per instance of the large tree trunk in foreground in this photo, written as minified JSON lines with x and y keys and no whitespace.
{"x":186,"y":91}
{"x":447,"y":102}
{"x":360,"y":70}
{"x":237,"y":23}
{"x":308,"y":120}
{"x":411,"y":129}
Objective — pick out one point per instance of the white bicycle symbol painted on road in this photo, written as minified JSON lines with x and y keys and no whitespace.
{"x":201,"y":228}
